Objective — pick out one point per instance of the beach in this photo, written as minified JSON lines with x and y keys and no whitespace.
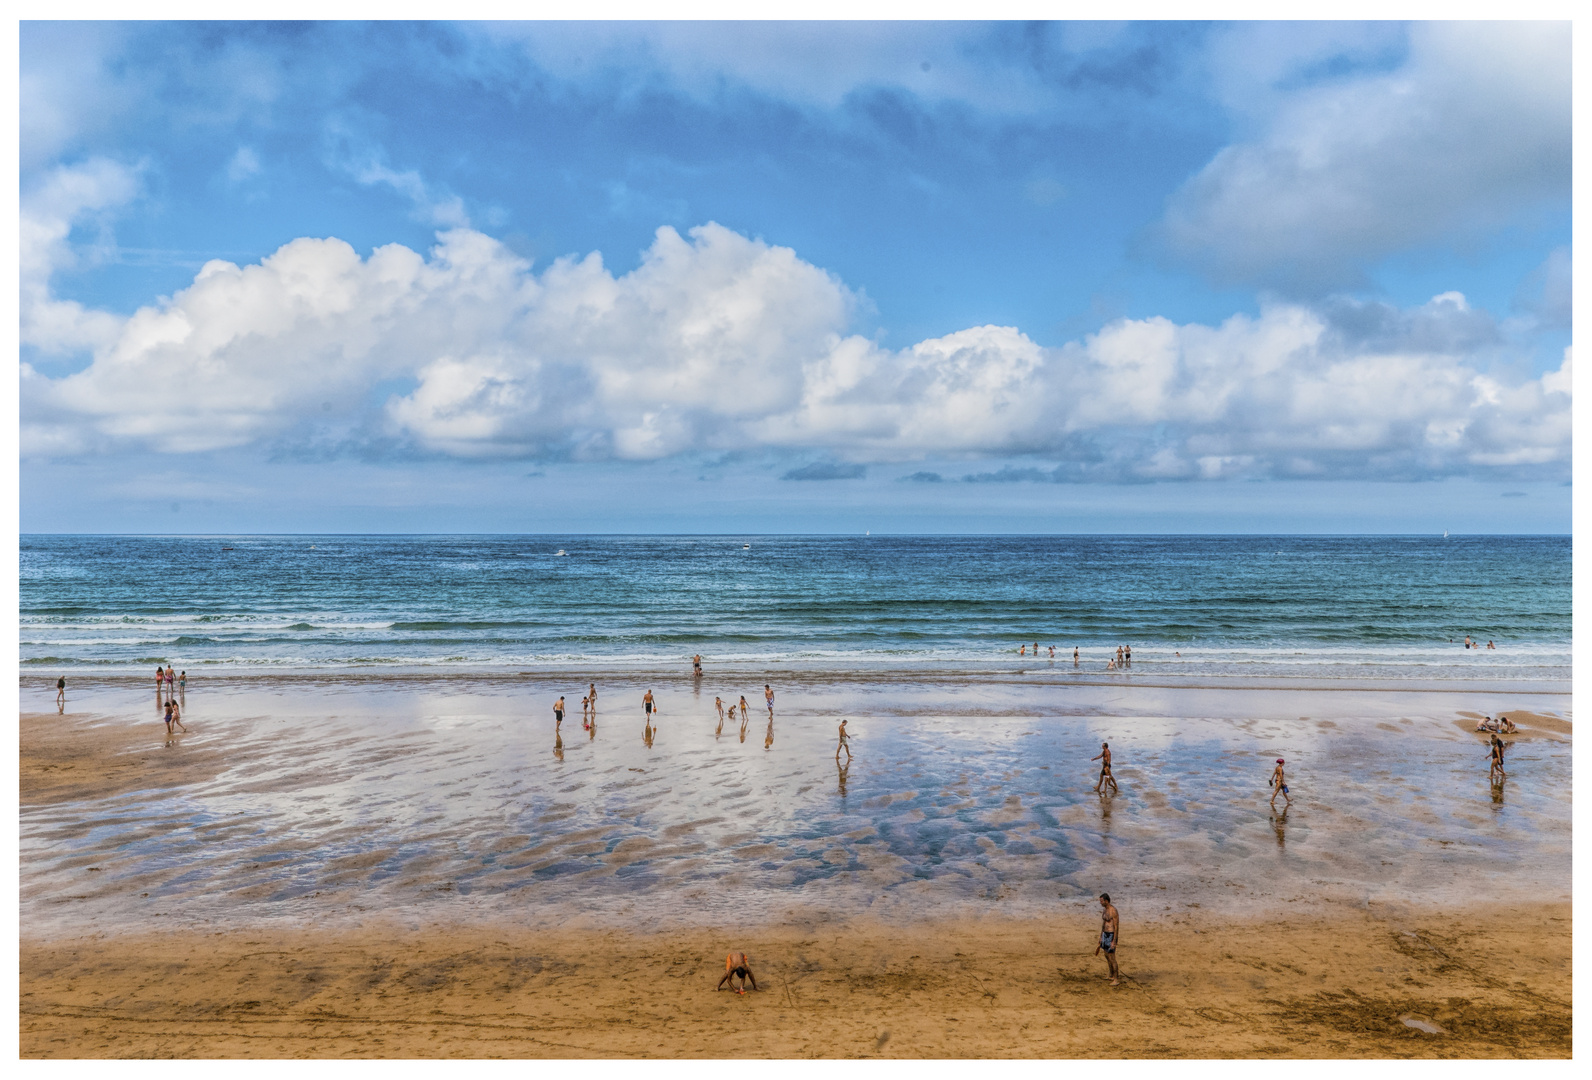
{"x":343,"y":866}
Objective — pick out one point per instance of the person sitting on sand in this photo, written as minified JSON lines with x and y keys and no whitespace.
{"x":1279,"y":784}
{"x":737,"y":966}
{"x":1485,"y":724}
{"x":843,"y":744}
{"x":1104,"y":758}
{"x":1109,"y":926}
{"x":1506,"y":725}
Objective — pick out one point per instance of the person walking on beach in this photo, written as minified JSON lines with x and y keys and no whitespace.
{"x":591,"y":696}
{"x":843,"y":744}
{"x":171,"y":681}
{"x":768,"y":696}
{"x":182,"y":685}
{"x":60,"y":690}
{"x":647,"y":703}
{"x":558,"y":714}
{"x":176,"y":714}
{"x":160,"y":683}
{"x":1279,"y":784}
{"x":1104,"y":758}
{"x":718,"y":703}
{"x":1109,"y":928}
{"x":696,"y":666}
{"x":1495,"y":770}
{"x":737,"y":966}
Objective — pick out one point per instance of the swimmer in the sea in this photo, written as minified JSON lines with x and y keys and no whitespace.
{"x":843,"y":744}
{"x":737,"y":966}
{"x":1110,"y":926}
{"x":1075,"y":656}
{"x":1104,"y":758}
{"x":1279,"y":784}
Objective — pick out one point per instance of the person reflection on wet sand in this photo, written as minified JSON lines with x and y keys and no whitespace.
{"x":842,"y":770}
{"x":558,"y":745}
{"x":648,"y":732}
{"x":768,"y":740}
{"x":744,"y":721}
{"x":1279,"y":824}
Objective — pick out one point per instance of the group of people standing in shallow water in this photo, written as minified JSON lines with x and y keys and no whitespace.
{"x":1124,"y":657}
{"x":171,"y":694}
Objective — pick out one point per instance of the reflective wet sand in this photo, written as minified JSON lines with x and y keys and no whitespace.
{"x":298,"y":801}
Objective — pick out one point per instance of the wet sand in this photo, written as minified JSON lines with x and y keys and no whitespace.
{"x":1372,"y":984}
{"x":404,"y":869}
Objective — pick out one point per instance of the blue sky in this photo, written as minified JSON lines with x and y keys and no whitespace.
{"x":814,"y":277}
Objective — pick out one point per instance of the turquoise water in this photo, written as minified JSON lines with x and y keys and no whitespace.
{"x":1326,"y":608}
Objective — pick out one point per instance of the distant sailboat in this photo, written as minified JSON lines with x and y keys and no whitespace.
{"x":1445,"y":534}
{"x":746,"y":547}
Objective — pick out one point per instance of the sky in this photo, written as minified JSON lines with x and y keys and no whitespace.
{"x":795,"y":277}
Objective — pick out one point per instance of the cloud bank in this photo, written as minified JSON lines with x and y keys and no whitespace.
{"x":1471,"y":133}
{"x":718,"y":342}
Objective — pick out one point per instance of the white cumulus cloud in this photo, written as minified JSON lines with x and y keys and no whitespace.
{"x":718,"y":342}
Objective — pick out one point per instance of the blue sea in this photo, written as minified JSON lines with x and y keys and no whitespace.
{"x":1191,"y":607}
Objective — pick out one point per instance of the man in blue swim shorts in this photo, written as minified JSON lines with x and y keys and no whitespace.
{"x":1108,"y":934}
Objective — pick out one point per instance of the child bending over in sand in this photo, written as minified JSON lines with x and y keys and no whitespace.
{"x":737,"y":966}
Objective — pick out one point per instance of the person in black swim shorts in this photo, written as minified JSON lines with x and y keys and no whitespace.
{"x":737,"y":966}
{"x":558,"y":714}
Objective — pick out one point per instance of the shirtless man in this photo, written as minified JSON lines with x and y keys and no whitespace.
{"x":1495,"y":750}
{"x":1127,"y":654}
{"x":696,"y":666}
{"x":558,"y":714}
{"x":1109,"y":925}
{"x":768,"y":696}
{"x":1506,"y":725}
{"x":1279,"y":786}
{"x":647,"y":703}
{"x":737,"y":966}
{"x":1104,"y":758}
{"x":1075,"y":656}
{"x":843,"y":744}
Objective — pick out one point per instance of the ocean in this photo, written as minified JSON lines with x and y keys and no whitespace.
{"x":1195,"y":607}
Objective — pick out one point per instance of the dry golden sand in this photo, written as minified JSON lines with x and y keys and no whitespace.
{"x":1304,"y":987}
{"x":1312,"y":985}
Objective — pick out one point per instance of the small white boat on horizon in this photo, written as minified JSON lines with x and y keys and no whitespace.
{"x":560,"y":551}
